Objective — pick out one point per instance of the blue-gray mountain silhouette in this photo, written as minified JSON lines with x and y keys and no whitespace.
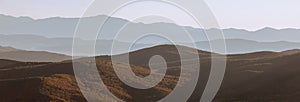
{"x":64,"y":45}
{"x":65,"y":27}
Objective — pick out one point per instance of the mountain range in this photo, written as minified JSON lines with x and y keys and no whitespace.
{"x":56,"y":35}
{"x":103,"y":47}
{"x":36,"y":61}
{"x":65,"y":27}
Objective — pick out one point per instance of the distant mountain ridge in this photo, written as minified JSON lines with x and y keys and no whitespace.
{"x":56,"y":35}
{"x":65,"y":27}
{"x":103,"y":47}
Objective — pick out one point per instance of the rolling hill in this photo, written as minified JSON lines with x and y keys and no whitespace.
{"x":30,"y":56}
{"x":6,"y":49}
{"x":252,"y":77}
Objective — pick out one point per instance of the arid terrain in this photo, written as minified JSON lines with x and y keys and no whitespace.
{"x":252,"y":77}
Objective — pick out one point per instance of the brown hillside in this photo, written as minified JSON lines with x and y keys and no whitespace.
{"x":253,"y":77}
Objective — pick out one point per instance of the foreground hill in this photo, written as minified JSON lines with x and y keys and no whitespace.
{"x":260,"y":76}
{"x":273,"y":77}
{"x":30,"y":56}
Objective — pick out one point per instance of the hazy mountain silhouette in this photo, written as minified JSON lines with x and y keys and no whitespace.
{"x":55,"y":35}
{"x":103,"y":47}
{"x":259,"y":76}
{"x":239,"y":46}
{"x":59,"y":45}
{"x":65,"y":27}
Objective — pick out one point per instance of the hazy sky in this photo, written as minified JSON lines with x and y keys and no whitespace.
{"x":244,"y":14}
